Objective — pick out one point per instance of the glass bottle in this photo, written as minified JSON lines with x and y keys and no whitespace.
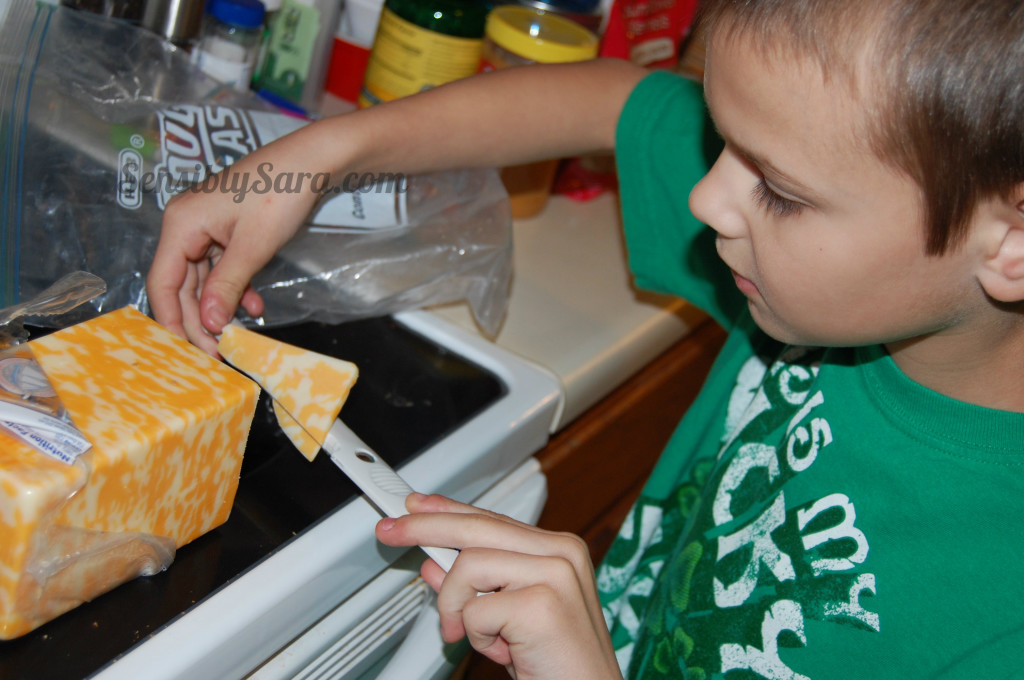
{"x":422,"y":44}
{"x":229,"y":41}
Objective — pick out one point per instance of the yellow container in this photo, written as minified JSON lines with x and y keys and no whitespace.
{"x":517,"y":36}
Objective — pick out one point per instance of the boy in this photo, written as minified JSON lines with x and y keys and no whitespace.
{"x":842,"y":499}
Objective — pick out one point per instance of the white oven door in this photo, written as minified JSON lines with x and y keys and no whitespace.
{"x":389,"y":630}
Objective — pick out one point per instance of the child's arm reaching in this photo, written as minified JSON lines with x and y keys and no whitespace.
{"x":541,"y":617}
{"x":211,"y":245}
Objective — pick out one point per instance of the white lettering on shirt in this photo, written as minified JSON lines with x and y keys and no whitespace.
{"x":843,"y":530}
{"x":784,"y":615}
{"x":757,"y":534}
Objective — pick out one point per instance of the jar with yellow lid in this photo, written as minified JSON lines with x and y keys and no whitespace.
{"x":517,"y":36}
{"x":422,"y":44}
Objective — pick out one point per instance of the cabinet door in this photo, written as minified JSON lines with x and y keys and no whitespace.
{"x":598,"y":464}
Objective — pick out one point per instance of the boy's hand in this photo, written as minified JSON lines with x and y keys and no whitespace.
{"x":212,"y":243}
{"x":540,"y":618}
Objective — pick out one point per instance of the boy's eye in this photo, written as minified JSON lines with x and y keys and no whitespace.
{"x":773,"y":203}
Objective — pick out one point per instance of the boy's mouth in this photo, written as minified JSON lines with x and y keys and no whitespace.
{"x":745,"y":285}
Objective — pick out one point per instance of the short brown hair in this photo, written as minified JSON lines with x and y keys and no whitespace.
{"x":950,"y":82}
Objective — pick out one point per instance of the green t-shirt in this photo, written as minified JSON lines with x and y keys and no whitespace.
{"x":817,"y":514}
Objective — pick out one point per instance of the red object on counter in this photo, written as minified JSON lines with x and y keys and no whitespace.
{"x":346,"y":70}
{"x":647,"y":32}
{"x":583,"y":179}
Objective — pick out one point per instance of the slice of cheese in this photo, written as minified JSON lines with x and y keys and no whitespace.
{"x":168,"y":426}
{"x":308,"y":388}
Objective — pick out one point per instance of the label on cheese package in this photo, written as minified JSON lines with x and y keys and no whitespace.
{"x":48,"y":435}
{"x":31,"y":410}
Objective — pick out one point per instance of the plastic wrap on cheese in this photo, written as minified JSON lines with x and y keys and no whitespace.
{"x":308,"y":388}
{"x":168,"y":426}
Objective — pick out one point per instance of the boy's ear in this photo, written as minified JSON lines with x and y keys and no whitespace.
{"x":1003,"y":274}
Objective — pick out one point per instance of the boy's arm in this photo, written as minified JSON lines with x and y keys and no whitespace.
{"x":500,"y":118}
{"x":211,"y":245}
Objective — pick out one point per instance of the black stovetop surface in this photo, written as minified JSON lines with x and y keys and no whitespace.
{"x":411,"y":392}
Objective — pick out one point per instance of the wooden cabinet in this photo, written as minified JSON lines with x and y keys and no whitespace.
{"x":597,"y":465}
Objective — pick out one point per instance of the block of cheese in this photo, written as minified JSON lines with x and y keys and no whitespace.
{"x":308,"y":388}
{"x":168,"y":426}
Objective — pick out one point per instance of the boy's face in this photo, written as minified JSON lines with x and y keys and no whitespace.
{"x":826,"y":241}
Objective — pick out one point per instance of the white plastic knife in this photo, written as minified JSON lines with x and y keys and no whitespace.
{"x":375,"y":478}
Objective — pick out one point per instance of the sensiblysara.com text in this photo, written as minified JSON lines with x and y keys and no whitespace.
{"x":266,"y":181}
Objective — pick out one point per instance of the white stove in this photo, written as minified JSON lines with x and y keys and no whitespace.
{"x":330,"y":601}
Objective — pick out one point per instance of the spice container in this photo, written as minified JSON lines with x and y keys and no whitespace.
{"x":516,"y":36}
{"x":296,"y":54}
{"x":422,"y":44}
{"x":229,"y":41}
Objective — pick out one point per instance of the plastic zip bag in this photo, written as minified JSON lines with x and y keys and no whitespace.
{"x":29,"y":406}
{"x":92,"y":136}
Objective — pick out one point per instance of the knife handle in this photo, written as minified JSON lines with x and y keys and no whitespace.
{"x":375,"y":478}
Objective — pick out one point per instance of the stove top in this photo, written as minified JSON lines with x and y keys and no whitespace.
{"x":411,"y":393}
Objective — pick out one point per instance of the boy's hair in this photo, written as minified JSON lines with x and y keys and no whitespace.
{"x":949,"y":78}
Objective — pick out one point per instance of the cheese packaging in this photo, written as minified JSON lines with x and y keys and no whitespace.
{"x":168,"y":426}
{"x":308,"y":388}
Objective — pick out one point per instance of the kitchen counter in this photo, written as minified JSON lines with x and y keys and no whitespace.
{"x":573,"y":309}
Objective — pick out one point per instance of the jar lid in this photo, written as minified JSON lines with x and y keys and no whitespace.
{"x":585,"y":12}
{"x":540,"y":36}
{"x":244,"y":13}
{"x":563,"y":6}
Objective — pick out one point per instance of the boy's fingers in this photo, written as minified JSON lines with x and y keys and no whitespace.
{"x":482,"y":630}
{"x":434,"y":503}
{"x":252,"y":302}
{"x":174,"y":280}
{"x":221,"y":294}
{"x":527,"y":597}
{"x":459,"y":530}
{"x":190,"y":311}
{"x":433,"y":574}
{"x":489,"y":571}
{"x":463,"y":531}
{"x":164,"y":283}
{"x":229,"y":279}
{"x":418,"y":502}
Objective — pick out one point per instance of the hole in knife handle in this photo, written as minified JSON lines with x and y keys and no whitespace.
{"x":366,"y":457}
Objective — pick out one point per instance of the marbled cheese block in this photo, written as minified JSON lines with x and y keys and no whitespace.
{"x":308,"y":388}
{"x":32,"y":488}
{"x":168,"y":426}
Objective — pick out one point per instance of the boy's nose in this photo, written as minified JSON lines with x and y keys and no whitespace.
{"x":713,"y":199}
